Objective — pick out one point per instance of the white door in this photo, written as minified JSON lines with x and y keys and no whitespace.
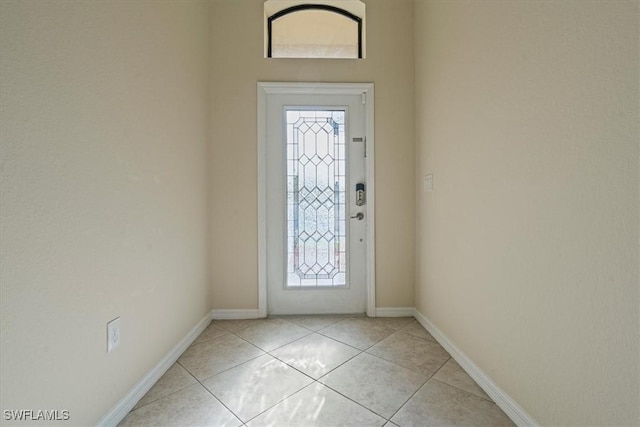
{"x":316,"y":229}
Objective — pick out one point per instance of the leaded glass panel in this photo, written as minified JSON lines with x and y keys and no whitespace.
{"x":316,"y":198}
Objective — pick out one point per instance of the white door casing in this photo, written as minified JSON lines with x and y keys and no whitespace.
{"x":300,"y":101}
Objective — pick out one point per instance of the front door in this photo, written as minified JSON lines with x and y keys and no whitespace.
{"x":315,"y":204}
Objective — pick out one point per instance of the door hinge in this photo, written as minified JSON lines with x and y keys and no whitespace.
{"x":364,"y":98}
{"x":365,"y":146}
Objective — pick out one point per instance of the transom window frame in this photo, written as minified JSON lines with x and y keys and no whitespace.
{"x":351,"y":9}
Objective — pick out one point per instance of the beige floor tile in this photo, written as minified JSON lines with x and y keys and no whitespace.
{"x":315,"y":323}
{"x":394,"y":323}
{"x":211,"y":357}
{"x":315,"y":354}
{"x":374,"y":383}
{"x":417,"y":330}
{"x":235,"y":325}
{"x":317,"y":406}
{"x":211,"y":332}
{"x":362,"y":388}
{"x":358,"y":332}
{"x":451,"y":373}
{"x":272,"y":333}
{"x":421,"y":356}
{"x":192,"y":406}
{"x":439,"y":404}
{"x":176,"y":378}
{"x":255,"y":386}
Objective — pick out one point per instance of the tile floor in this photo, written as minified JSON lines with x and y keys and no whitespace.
{"x":316,"y":371}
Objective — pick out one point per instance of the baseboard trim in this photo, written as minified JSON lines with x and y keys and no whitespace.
{"x":126,"y":404}
{"x":235,"y":314}
{"x":513,"y":410}
{"x":395,"y":311}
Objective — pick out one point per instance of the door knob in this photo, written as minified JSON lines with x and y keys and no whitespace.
{"x":359,"y":216}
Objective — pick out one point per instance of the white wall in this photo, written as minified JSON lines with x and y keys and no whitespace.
{"x":104,"y":185}
{"x":238,"y":63}
{"x":527,"y":249}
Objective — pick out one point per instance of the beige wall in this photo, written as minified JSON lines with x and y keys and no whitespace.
{"x":238,"y":64}
{"x":526,"y":252}
{"x":104,"y":130}
{"x":527,"y":249}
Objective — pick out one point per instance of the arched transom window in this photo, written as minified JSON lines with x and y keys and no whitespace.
{"x":323,"y":29}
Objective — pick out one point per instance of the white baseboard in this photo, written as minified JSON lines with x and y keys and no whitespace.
{"x":395,"y":311}
{"x":235,"y":314}
{"x":513,"y":410}
{"x":126,"y":404}
{"x":510,"y":407}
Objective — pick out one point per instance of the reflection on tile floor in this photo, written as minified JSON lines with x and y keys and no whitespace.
{"x":316,"y":371}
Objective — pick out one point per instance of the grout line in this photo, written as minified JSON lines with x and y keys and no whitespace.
{"x":317,"y":381}
{"x":234,"y":366}
{"x":404,"y":367}
{"x":369,"y":354}
{"x":458,"y":388}
{"x":438,"y":370}
{"x":341,"y":342}
{"x":419,"y":337}
{"x":326,"y":373}
{"x":313,"y":330}
{"x":215,"y":397}
{"x":161,"y":397}
{"x":338,"y":366}
{"x":313,"y":380}
{"x":420,"y":388}
{"x":464,"y":391}
{"x":356,"y":402}
{"x":357,"y":348}
{"x":273,"y":349}
{"x":280,"y":401}
{"x":264,"y":353}
{"x":283,"y":345}
{"x":423,"y":339}
{"x":293,"y":367}
{"x":251,"y":323}
{"x":209,"y":340}
{"x":198,"y":382}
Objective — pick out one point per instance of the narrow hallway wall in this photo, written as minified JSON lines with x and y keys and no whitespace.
{"x":527,"y":249}
{"x":104,"y":119}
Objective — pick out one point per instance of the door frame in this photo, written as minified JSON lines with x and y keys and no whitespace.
{"x":298,"y":88}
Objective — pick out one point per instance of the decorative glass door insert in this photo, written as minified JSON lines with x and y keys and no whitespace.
{"x":316,"y":198}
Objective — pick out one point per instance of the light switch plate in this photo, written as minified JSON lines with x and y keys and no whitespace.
{"x":428,"y":182}
{"x":113,"y":334}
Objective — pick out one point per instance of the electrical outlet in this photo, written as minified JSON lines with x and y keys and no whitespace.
{"x":113,"y":334}
{"x":428,"y":182}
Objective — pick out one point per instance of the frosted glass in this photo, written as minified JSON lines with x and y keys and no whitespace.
{"x":314,"y":34}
